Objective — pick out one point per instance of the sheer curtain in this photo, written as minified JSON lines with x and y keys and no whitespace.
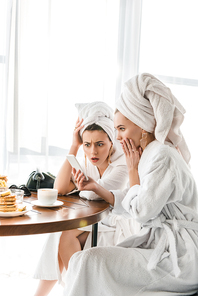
{"x":63,"y":52}
{"x":6,"y":20}
{"x":53,"y":54}
{"x":129,"y":41}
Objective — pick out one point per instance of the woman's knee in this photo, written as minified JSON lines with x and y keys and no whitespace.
{"x":69,"y":234}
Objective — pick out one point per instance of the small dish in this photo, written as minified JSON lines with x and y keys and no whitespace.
{"x":57,"y":203}
{"x":15,"y":214}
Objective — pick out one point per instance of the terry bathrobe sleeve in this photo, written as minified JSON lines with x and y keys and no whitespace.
{"x":145,"y":201}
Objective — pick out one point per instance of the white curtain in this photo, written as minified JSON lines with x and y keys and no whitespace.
{"x":62,"y":52}
{"x":59,"y":53}
{"x":56,"y":53}
{"x":129,"y":41}
{"x":7,"y":19}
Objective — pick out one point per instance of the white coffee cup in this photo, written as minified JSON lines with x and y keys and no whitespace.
{"x":47,"y":196}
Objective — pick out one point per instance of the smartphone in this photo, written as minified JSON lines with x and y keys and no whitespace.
{"x":75,"y":164}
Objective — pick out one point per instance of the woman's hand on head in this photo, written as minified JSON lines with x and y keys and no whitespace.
{"x":132,"y":154}
{"x":77,"y":141}
{"x":82,"y":183}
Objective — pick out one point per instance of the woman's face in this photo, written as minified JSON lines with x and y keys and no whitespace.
{"x":127,"y":129}
{"x":96,"y":146}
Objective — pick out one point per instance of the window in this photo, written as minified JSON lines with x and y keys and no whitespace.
{"x":68,"y":55}
{"x":168,"y":50}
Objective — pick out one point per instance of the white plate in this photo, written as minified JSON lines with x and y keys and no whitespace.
{"x":57,"y":203}
{"x":15,"y":214}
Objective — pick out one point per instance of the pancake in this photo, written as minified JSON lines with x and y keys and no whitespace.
{"x":8,"y":202}
{"x":11,"y":197}
{"x":8,"y":208}
{"x":12,"y":208}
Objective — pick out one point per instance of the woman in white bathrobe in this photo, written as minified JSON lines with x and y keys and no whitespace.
{"x":162,"y":259}
{"x":105,"y":163}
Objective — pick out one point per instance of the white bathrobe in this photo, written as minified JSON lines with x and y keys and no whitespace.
{"x":162,"y":259}
{"x":111,"y":230}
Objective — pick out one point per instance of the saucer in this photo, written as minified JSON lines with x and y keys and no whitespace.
{"x":57,"y":203}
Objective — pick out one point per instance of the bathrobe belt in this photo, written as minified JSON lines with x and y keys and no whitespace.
{"x":167,"y":238}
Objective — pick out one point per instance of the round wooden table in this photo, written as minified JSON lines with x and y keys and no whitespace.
{"x":74,"y":213}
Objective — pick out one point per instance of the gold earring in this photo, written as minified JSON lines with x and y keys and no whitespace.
{"x":109,"y":156}
{"x":144,"y":139}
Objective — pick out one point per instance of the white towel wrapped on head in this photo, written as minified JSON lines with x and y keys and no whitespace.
{"x":99,"y":113}
{"x":148,"y":103}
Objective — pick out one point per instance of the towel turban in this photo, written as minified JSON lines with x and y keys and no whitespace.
{"x":99,"y":113}
{"x":148,"y":103}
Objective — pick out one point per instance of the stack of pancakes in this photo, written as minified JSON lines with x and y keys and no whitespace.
{"x":8,"y":202}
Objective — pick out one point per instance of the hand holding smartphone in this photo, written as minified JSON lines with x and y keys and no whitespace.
{"x":75,"y":164}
